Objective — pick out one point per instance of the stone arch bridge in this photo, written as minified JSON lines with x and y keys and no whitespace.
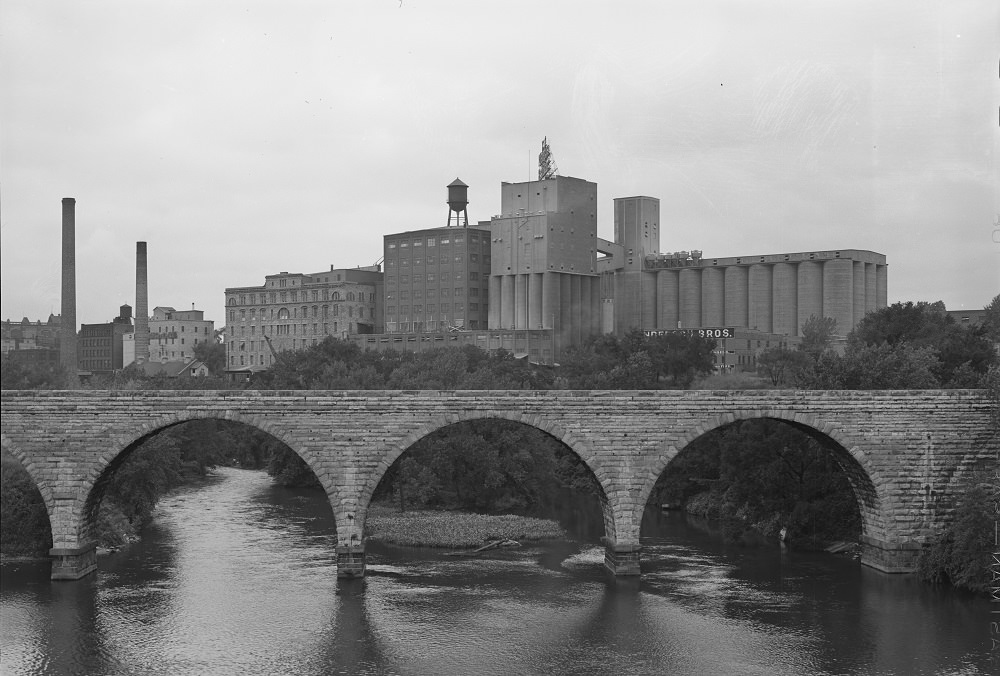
{"x":907,"y":453}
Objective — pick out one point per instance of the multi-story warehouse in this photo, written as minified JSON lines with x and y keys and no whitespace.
{"x":293,"y":310}
{"x":437,"y":279}
{"x":172,"y":334}
{"x":100,"y":347}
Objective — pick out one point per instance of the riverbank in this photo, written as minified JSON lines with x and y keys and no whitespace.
{"x":425,"y":528}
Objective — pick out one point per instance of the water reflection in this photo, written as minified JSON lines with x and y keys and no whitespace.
{"x":237,"y":577}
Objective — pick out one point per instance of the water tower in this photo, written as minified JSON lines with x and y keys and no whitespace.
{"x":458,"y":200}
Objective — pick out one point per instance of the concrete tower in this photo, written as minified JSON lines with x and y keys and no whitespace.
{"x":141,"y":305}
{"x":543,"y":273}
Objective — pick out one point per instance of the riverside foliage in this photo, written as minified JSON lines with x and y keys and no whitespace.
{"x":899,"y":347}
{"x":765,"y":476}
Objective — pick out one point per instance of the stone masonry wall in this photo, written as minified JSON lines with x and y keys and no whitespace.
{"x":907,"y":453}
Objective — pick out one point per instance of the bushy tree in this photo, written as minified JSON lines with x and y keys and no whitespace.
{"x":677,"y":358}
{"x":960,"y":554}
{"x":960,"y":351}
{"x":902,"y":346}
{"x":148,"y":472}
{"x":24,"y":523}
{"x":764,"y":474}
{"x":487,"y":466}
{"x":213,"y":354}
{"x":781,"y":365}
{"x":289,"y":469}
{"x":916,"y":323}
{"x":874,"y":367}
{"x":637,"y":361}
{"x":991,"y":320}
{"x":17,"y":373}
{"x":134,"y":378}
{"x":817,"y":335}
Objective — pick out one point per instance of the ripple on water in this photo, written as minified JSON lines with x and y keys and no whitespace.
{"x":235,"y":577}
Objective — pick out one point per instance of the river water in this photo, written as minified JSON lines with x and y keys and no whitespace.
{"x":236,"y":576}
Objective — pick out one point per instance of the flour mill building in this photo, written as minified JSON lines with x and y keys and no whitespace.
{"x":292,"y":311}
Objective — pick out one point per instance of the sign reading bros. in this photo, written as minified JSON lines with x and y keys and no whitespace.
{"x":727,"y":332}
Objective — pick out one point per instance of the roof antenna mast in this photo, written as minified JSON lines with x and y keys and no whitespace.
{"x":546,"y":165}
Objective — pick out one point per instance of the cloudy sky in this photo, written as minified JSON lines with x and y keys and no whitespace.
{"x":240,"y":139}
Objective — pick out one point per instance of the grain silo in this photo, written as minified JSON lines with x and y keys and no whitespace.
{"x":785,"y":313}
{"x":760,"y":297}
{"x":838,"y":293}
{"x":495,"y":299}
{"x":869,"y":287}
{"x":647,"y":293}
{"x":535,"y":300}
{"x":521,"y":301}
{"x":737,"y":295}
{"x":565,"y":309}
{"x":668,"y":296}
{"x":881,"y":286}
{"x":858,"y":300}
{"x":712,"y":297}
{"x":596,"y":307}
{"x":506,"y":301}
{"x":690,"y":295}
{"x":810,"y":292}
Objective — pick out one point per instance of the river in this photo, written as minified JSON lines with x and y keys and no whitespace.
{"x":237,"y":576}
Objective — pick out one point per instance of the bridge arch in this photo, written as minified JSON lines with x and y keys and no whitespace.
{"x":120,"y":446}
{"x":12,"y":450}
{"x":580,"y":446}
{"x":864,"y":478}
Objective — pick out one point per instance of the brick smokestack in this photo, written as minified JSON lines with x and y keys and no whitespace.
{"x":67,"y":325}
{"x":141,"y":305}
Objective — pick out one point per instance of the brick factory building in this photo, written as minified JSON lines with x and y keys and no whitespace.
{"x":437,"y":279}
{"x":100,"y":347}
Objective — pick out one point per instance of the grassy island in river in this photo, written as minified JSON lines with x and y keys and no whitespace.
{"x":427,"y":528}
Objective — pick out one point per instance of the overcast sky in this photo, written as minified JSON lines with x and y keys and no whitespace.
{"x":240,"y":139}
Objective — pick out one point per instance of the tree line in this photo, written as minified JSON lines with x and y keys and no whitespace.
{"x":899,"y":347}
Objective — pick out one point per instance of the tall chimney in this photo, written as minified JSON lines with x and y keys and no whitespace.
{"x":141,"y":305}
{"x":67,"y":332}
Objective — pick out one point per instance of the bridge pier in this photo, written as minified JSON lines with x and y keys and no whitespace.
{"x":73,"y":563}
{"x":621,"y":558}
{"x":351,"y":560}
{"x":890,"y":557}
